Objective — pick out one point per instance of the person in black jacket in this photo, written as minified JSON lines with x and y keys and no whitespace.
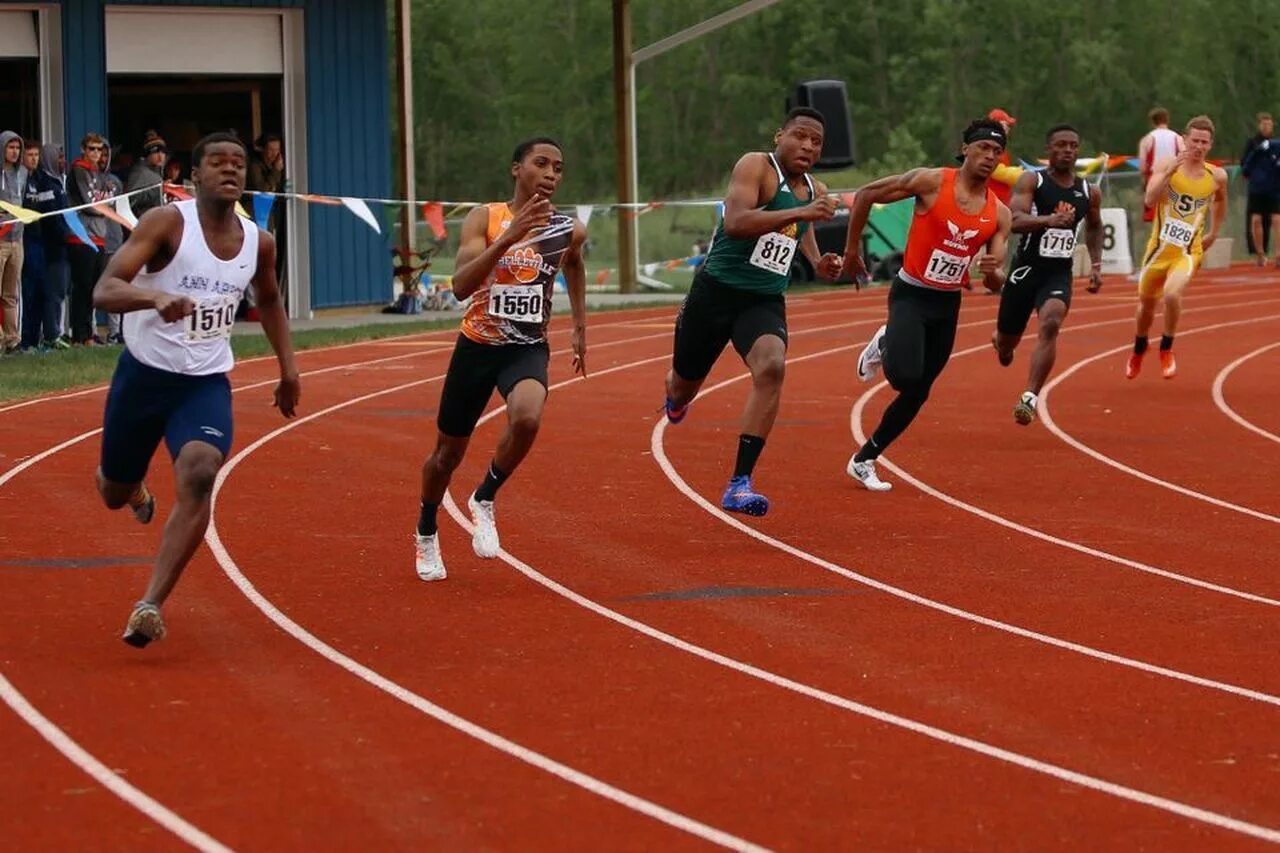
{"x":1260,"y":164}
{"x":44,"y":276}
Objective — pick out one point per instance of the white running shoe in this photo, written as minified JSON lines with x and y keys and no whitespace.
{"x":1025,"y":411}
{"x":865,"y":473}
{"x":485,"y":539}
{"x":429,"y":562}
{"x":871,"y":359}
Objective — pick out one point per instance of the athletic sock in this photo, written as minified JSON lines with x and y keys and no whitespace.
{"x":493,"y":481}
{"x":749,"y":447}
{"x":140,"y":496}
{"x":427,"y":519}
{"x":867,"y":451}
{"x":1166,"y":343}
{"x":1139,"y":344}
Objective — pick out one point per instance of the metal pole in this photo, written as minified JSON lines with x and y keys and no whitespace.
{"x":406,"y":179}
{"x":624,"y":138}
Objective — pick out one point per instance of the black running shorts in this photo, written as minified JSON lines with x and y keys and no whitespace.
{"x":1027,"y":289}
{"x":475,"y":370}
{"x":714,"y":314}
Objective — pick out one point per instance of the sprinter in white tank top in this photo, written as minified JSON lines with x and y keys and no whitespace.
{"x":178,"y":280}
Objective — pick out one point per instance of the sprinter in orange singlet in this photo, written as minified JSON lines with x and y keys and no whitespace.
{"x":957,"y":219}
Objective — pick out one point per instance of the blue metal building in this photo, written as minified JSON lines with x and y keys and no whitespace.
{"x":314,"y":71}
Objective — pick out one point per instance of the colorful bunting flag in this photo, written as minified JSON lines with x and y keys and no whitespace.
{"x":433,"y":215}
{"x":176,"y":191}
{"x":584,"y":213}
{"x":22,"y":214}
{"x":126,"y":211}
{"x":602,"y":276}
{"x":848,"y":199}
{"x":262,"y":204}
{"x":360,"y":209}
{"x":77,"y":228}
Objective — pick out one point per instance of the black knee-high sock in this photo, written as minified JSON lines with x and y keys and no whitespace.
{"x":493,"y":480}
{"x":1166,"y":342}
{"x":1139,"y":344}
{"x":749,"y":447}
{"x":427,"y":519}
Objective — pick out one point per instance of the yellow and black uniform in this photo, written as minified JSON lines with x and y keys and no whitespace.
{"x":1177,"y":230}
{"x":504,"y":332}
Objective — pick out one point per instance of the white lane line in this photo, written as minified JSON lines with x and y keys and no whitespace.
{"x":855,"y":422}
{"x":486,"y":736}
{"x":1047,"y":417}
{"x":1221,"y":401}
{"x":103,"y":775}
{"x":1093,"y":783}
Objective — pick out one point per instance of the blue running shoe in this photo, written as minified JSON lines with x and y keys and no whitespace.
{"x":740,"y":497}
{"x":675,"y":415}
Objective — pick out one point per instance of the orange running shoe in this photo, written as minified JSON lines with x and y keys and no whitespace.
{"x":1168,"y":364}
{"x":1133,"y":366}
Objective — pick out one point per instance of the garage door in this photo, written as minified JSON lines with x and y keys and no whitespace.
{"x":144,"y":40}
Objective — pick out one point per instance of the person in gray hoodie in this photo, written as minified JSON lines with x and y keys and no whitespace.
{"x":13,"y":185}
{"x":148,"y":174}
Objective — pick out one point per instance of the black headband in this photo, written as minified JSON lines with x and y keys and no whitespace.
{"x":979,"y":133}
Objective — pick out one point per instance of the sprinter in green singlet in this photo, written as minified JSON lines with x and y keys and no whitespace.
{"x":737,"y":295}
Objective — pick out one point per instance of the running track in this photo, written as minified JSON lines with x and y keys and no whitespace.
{"x":1060,"y":637}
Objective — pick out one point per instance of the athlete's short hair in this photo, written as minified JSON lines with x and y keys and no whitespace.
{"x":1158,"y":116}
{"x":804,"y":112}
{"x":1263,"y":117}
{"x":1201,"y":123}
{"x":523,"y":149}
{"x":1058,"y":128}
{"x":197,"y":153}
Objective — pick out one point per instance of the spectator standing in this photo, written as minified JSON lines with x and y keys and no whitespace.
{"x":13,"y":186}
{"x":86,"y":184}
{"x":148,"y":175}
{"x":1260,"y":165}
{"x":1160,"y":143}
{"x":113,"y":239}
{"x":44,"y":274}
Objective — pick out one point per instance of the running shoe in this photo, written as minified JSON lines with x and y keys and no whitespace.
{"x":675,"y":415}
{"x":143,"y":504}
{"x":484,"y":541}
{"x":865,"y":473}
{"x":1133,"y":366}
{"x":1168,"y":364}
{"x":428,"y":561}
{"x":1025,"y":411}
{"x":740,"y":497}
{"x":872,"y":358}
{"x":145,"y":625}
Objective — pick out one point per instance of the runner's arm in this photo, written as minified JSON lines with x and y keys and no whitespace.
{"x":475,"y":261}
{"x":275,"y":323}
{"x":1093,"y":228}
{"x":1219,"y":207}
{"x":1020,"y":205}
{"x":917,"y":182}
{"x":742,"y":220}
{"x":992,"y":264}
{"x":115,"y":291}
{"x":1159,"y":181}
{"x":575,"y":279}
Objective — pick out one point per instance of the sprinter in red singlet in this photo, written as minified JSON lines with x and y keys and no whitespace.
{"x":957,"y":219}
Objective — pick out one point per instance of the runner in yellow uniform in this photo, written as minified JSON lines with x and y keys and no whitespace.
{"x":1180,"y":190}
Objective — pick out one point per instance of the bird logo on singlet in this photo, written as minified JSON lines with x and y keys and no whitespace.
{"x":959,"y":239}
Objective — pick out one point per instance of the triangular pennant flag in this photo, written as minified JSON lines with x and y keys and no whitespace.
{"x":1133,"y":163}
{"x":650,"y":269}
{"x":360,"y":209}
{"x":77,"y":228}
{"x":321,"y":199}
{"x":110,"y":213}
{"x":26,"y":217}
{"x":240,"y":211}
{"x":848,"y":199}
{"x":262,"y":204}
{"x":602,"y":276}
{"x":584,"y":213}
{"x":433,"y":215}
{"x":176,"y":191}
{"x":719,"y":210}
{"x":126,"y":211}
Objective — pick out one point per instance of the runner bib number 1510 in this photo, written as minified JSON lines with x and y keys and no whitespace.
{"x":212,"y":319}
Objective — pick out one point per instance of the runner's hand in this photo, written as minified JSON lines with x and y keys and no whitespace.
{"x":173,"y":308}
{"x":1063,"y":216}
{"x":1095,"y":281}
{"x":287,"y":395}
{"x":1207,"y":241}
{"x":829,"y":266}
{"x":856,"y":269}
{"x":535,"y":214}
{"x":578,"y":340}
{"x":822,"y":207}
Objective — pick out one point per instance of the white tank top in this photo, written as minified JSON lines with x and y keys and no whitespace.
{"x":200,"y":344}
{"x":1165,"y":143}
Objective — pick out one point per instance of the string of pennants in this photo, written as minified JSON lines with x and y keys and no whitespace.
{"x":434,"y":213}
